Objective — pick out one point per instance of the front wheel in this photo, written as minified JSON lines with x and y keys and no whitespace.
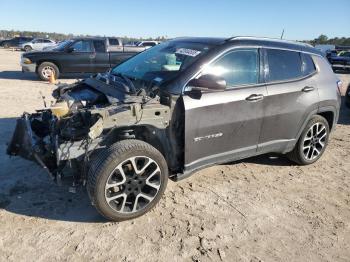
{"x":45,"y":70}
{"x":312,"y":142}
{"x":127,"y":179}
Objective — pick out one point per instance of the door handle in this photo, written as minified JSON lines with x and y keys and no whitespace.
{"x":255,"y":97}
{"x":308,"y":89}
{"x":92,"y":56}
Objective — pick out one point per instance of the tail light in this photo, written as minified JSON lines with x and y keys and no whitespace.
{"x":340,"y":86}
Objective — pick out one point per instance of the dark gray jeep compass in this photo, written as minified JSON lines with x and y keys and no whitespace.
{"x":176,"y":108}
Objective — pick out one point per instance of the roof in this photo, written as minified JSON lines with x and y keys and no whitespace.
{"x":250,"y":40}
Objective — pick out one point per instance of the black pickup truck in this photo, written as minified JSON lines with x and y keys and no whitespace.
{"x":79,"y":55}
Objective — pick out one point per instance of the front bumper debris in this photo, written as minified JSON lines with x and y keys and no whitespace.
{"x":24,"y":144}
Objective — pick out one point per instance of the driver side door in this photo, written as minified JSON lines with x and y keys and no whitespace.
{"x":224,"y":126}
{"x":80,"y":59}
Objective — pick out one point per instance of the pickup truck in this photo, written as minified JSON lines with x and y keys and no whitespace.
{"x":79,"y":55}
{"x":341,"y":61}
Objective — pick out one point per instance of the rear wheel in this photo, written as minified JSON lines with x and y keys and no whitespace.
{"x":27,"y":48}
{"x":127,"y":179}
{"x":312,"y":142}
{"x":46,"y":69}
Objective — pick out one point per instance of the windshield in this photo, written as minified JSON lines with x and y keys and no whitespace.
{"x":162,"y":62}
{"x":62,"y":45}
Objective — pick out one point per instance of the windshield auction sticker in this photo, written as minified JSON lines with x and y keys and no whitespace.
{"x":188,"y":52}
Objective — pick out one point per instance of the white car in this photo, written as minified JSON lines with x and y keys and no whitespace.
{"x":37,"y":44}
{"x":147,"y":44}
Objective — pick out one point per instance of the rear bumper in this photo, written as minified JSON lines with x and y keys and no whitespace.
{"x":336,"y":66}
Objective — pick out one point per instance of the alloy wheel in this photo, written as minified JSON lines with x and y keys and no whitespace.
{"x":133,"y":184}
{"x":314,"y":141}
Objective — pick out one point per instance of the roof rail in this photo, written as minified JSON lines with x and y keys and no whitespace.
{"x":268,"y":38}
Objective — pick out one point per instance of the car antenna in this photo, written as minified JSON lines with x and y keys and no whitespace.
{"x":43,"y":97}
{"x":282,"y":33}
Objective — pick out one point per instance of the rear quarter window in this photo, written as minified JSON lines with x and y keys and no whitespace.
{"x":283,"y":65}
{"x":308,"y":65}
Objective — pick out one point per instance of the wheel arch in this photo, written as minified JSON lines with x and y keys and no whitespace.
{"x":328,"y":112}
{"x":329,"y":116}
{"x":40,"y":61}
{"x":152,"y":135}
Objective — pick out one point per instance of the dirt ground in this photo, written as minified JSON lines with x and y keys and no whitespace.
{"x":260,"y":209}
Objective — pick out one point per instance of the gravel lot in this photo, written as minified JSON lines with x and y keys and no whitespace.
{"x":261,"y":209}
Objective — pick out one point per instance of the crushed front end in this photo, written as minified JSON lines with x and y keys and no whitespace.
{"x":86,"y":116}
{"x":53,"y":141}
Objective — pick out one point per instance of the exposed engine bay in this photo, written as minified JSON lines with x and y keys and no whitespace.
{"x":87,"y":115}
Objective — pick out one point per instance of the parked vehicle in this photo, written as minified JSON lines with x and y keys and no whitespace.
{"x":147,"y":43}
{"x":2,"y":40}
{"x":80,"y":55}
{"x":37,"y":44}
{"x":178,"y":107}
{"x":331,"y":54}
{"x":16,"y":42}
{"x":341,"y":61}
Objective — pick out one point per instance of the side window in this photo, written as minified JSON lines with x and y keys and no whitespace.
{"x":82,"y":46}
{"x":283,"y":65}
{"x":239,"y":67}
{"x":99,"y":46}
{"x":308,"y":65}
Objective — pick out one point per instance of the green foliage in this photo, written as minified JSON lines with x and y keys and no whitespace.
{"x":324,"y":40}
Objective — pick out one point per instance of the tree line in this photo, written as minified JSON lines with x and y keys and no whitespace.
{"x":6,"y":34}
{"x":324,"y":40}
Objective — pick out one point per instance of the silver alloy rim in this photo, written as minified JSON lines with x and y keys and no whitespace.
{"x":133,"y":184}
{"x":314,"y":141}
{"x":47,"y":71}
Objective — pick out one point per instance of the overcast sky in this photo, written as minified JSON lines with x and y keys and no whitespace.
{"x":301,"y":19}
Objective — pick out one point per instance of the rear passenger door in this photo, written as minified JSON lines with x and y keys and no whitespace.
{"x":291,"y":95}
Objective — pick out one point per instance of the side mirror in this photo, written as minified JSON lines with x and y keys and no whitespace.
{"x":207,"y":83}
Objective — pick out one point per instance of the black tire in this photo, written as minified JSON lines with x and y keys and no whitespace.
{"x":28,"y":48}
{"x":42,"y":73}
{"x":104,"y":164}
{"x":6,"y":46}
{"x":297,"y":155}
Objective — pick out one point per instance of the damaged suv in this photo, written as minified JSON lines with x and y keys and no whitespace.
{"x":176,"y":108}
